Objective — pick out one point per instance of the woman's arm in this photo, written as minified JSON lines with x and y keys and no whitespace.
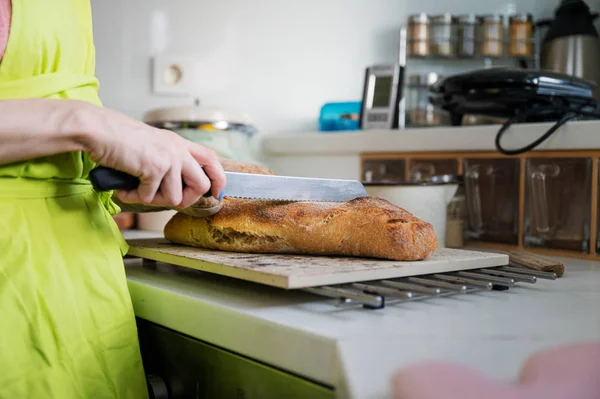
{"x":161,"y":159}
{"x":39,"y":127}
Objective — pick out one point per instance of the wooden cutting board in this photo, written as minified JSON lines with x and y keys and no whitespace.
{"x":292,"y":271}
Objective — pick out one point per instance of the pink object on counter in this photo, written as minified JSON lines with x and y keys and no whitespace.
{"x":5,"y":17}
{"x":566,"y":372}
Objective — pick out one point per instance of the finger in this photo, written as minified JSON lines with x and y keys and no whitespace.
{"x":197,"y":183}
{"x":148,"y":188}
{"x":171,"y":188}
{"x":212,"y":167}
{"x":129,"y":196}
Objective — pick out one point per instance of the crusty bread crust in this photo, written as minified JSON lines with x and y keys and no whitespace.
{"x":364,"y":227}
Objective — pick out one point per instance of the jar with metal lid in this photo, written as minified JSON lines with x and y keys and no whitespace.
{"x":419,"y":111}
{"x":467,"y":35}
{"x":434,"y":116}
{"x":418,"y":35}
{"x":442,"y":42}
{"x":521,"y":35}
{"x":414,"y":100}
{"x":492,"y":31}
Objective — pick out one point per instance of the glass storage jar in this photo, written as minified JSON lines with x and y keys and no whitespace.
{"x":492,"y":32}
{"x":521,"y":35}
{"x":419,"y":111}
{"x":442,"y":41}
{"x":418,"y":35}
{"x":466,"y":38}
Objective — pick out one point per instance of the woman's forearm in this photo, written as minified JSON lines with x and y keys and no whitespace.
{"x":33,"y":128}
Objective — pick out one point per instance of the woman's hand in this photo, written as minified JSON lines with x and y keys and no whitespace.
{"x":159,"y":158}
{"x":568,"y":371}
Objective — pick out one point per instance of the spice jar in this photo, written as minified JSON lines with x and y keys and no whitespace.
{"x":414,"y":100}
{"x":442,"y":43}
{"x":418,"y":35}
{"x":492,"y":41}
{"x":467,"y":35}
{"x":419,"y":111}
{"x":521,"y":35}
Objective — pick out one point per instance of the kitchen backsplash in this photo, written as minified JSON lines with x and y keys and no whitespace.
{"x":278,"y":60}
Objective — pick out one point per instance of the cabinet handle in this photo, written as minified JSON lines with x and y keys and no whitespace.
{"x":473,"y":194}
{"x":539,"y":198}
{"x":416,"y":173}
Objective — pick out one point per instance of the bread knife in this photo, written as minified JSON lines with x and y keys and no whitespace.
{"x":251,"y":186}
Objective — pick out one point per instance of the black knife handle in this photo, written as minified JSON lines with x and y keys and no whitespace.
{"x":106,"y":179}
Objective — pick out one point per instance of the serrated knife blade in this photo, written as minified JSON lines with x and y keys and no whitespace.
{"x":252,"y":186}
{"x":286,"y":188}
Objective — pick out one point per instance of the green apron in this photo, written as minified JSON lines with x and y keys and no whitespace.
{"x":67,"y":327}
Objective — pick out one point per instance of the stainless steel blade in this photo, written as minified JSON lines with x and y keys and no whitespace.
{"x":286,"y":188}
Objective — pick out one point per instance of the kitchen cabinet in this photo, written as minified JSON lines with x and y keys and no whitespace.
{"x":194,"y":369}
{"x":384,"y":170}
{"x":492,"y":194}
{"x":558,"y":203}
{"x":542,"y":201}
{"x":424,"y":169}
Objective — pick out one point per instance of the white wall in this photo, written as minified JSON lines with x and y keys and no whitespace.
{"x":279,"y":60}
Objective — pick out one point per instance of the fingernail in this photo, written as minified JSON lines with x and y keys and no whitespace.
{"x":221,"y":196}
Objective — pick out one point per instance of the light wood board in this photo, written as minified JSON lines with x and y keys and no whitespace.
{"x":299,"y":271}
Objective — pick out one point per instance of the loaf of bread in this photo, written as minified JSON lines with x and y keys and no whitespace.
{"x":364,"y":227}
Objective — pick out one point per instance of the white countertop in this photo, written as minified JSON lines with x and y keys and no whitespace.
{"x":138,"y":234}
{"x":358,"y":350}
{"x":581,"y":135}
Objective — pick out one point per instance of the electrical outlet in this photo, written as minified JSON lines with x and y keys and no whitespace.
{"x":174,"y":74}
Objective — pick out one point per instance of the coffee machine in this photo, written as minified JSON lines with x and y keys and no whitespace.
{"x":571,"y":45}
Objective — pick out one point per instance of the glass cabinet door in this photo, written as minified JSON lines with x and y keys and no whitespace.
{"x":558,"y":203}
{"x":492,"y":193}
{"x":384,"y":170}
{"x":424,"y":169}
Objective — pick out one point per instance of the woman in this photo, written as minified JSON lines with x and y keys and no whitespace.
{"x":67,"y":328}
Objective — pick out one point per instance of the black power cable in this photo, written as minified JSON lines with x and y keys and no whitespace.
{"x":568,"y":114}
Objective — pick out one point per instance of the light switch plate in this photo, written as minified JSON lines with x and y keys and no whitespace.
{"x":174,"y":75}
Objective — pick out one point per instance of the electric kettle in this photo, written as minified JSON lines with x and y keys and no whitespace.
{"x":571,"y":45}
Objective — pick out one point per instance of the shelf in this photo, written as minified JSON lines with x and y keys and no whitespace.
{"x":580,"y":135}
{"x":475,"y":58}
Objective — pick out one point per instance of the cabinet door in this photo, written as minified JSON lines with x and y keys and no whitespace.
{"x":492,"y":191}
{"x":558,"y":203}
{"x":194,"y":369}
{"x":384,"y":170}
{"x":424,"y":169}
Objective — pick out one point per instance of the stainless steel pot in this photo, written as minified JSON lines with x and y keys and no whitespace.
{"x":572,"y":45}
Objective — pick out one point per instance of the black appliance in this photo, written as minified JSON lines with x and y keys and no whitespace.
{"x":521,"y":95}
